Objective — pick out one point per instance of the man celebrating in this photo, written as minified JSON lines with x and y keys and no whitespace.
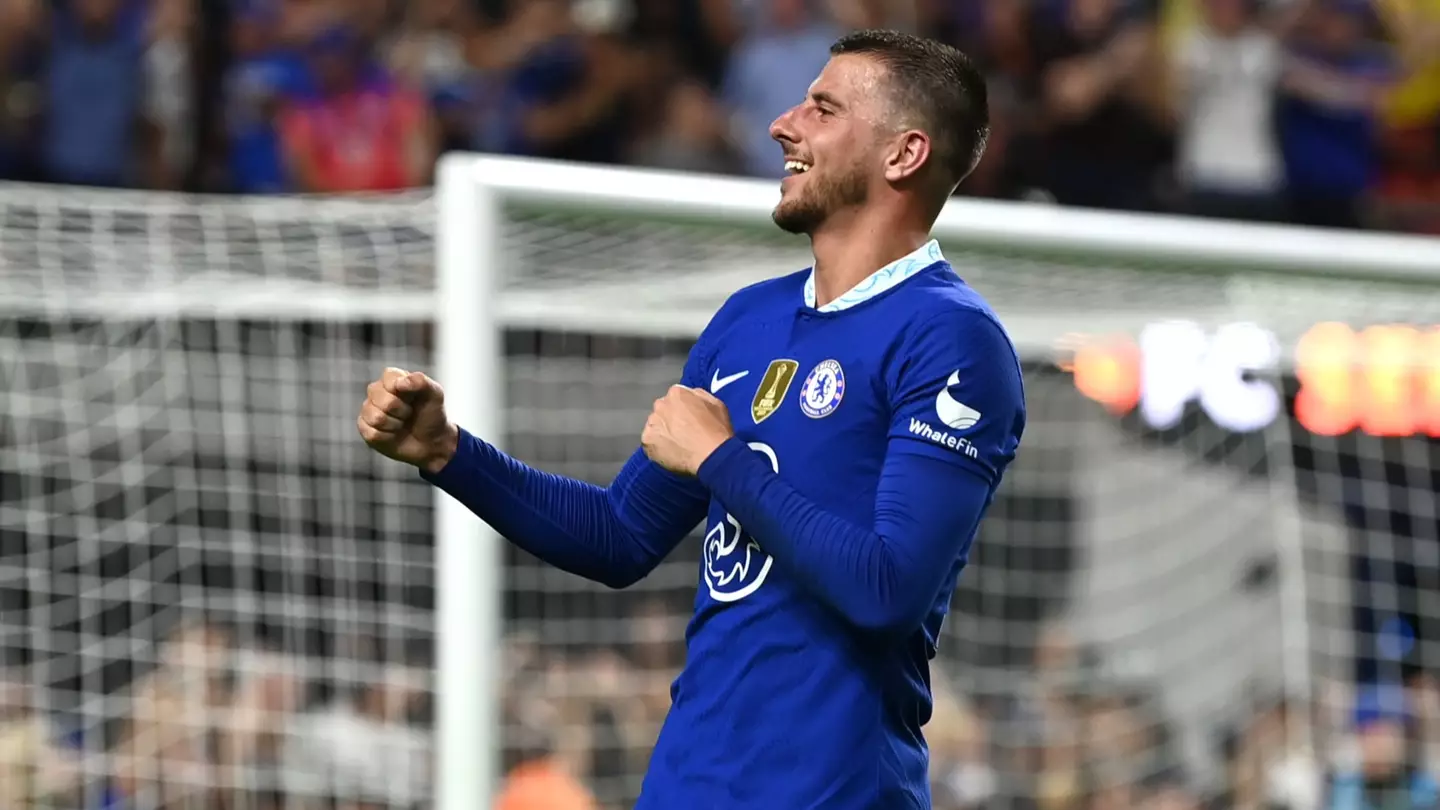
{"x":840,"y":430}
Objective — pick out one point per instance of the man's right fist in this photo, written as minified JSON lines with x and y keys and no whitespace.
{"x":403,"y":418}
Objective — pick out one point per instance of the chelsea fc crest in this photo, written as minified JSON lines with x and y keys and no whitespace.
{"x":823,"y":390}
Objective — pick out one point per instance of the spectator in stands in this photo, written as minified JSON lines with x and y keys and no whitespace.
{"x":163,"y":758}
{"x":1110,"y":789}
{"x":34,"y":772}
{"x":769,"y":72}
{"x":396,"y":706}
{"x":541,"y":763}
{"x":96,"y":133}
{"x":1407,"y":196}
{"x":1045,"y":704}
{"x":1047,"y":721}
{"x":429,"y":52}
{"x":169,"y":82}
{"x":1108,"y":136}
{"x":1268,"y":759}
{"x":997,"y":35}
{"x":375,"y":22}
{"x":1387,"y":772}
{"x":257,"y":715}
{"x":544,"y":87}
{"x":1414,"y":28}
{"x":368,"y":746}
{"x":1240,"y":779}
{"x":691,"y":38}
{"x":620,"y":732}
{"x":1294,"y":775}
{"x":361,"y":130}
{"x":263,"y":72}
{"x":1335,"y":78}
{"x":692,"y":136}
{"x":1125,"y":735}
{"x":538,"y":785}
{"x":961,"y":776}
{"x":1168,"y":791}
{"x":657,"y":652}
{"x":19,"y":76}
{"x":533,"y":778}
{"x":1423,"y":693}
{"x":1227,"y":69}
{"x":861,"y":14}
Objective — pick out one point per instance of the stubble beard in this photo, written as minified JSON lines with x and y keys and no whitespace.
{"x":822,"y":196}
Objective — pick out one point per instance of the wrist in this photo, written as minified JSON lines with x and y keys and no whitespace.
{"x":449,"y":444}
{"x":705,"y":455}
{"x":717,"y":457}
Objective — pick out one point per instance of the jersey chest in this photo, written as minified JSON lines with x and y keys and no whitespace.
{"x":817,"y":402}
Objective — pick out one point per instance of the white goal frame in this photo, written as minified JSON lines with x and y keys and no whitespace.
{"x":472,"y":192}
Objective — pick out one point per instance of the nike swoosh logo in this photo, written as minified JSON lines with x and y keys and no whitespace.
{"x":717,"y":382}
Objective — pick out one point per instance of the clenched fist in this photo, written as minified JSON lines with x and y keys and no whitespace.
{"x":403,"y":417}
{"x":685,"y":427}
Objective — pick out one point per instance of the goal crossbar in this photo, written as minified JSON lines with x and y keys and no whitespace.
{"x":1026,"y":226}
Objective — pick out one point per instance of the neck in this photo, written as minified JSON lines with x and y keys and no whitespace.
{"x":852,"y":245}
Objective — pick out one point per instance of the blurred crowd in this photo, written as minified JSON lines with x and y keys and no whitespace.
{"x":1313,"y":111}
{"x":1069,"y":732}
{"x":216,"y":722}
{"x":219,"y":723}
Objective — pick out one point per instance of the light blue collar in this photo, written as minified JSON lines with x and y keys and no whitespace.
{"x":880,"y":280}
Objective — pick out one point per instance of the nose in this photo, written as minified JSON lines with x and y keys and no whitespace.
{"x":782,"y":129}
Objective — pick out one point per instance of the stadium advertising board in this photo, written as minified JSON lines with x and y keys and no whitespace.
{"x":1381,"y":380}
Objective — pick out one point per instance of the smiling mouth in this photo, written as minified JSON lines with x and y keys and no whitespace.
{"x":796,"y":166}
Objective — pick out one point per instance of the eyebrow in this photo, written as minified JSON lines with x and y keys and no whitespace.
{"x":822,"y":97}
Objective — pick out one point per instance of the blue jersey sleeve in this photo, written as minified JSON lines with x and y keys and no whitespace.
{"x":956,"y":394}
{"x":614,"y":535}
{"x":884,"y":577}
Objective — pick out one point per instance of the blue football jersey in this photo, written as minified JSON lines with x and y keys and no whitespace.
{"x":783,"y":703}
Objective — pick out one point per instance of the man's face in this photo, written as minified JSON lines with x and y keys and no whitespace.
{"x":832,"y":144}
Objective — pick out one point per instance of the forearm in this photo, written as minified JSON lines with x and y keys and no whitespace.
{"x":884,"y":577}
{"x":613,"y":535}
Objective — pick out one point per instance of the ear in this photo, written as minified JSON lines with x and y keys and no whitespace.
{"x":909,"y":153}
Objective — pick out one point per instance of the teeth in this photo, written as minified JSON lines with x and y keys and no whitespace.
{"x":796,"y":166}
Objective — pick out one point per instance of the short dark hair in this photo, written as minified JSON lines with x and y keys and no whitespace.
{"x":936,"y":88}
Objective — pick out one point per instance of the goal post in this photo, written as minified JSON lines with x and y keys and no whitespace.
{"x":565,"y":248}
{"x":469,"y":254}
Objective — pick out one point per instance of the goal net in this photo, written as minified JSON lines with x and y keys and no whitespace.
{"x":211,"y":592}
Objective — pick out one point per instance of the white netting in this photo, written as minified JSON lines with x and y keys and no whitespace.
{"x":178,"y":379}
{"x":208,"y":591}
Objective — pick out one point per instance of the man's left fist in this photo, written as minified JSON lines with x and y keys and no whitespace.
{"x":684,"y":428}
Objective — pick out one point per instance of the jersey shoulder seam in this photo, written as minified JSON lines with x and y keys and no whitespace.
{"x":956,"y":308}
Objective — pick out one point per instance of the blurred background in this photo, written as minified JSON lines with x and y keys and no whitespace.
{"x":1211,"y":580}
{"x":1312,"y":112}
